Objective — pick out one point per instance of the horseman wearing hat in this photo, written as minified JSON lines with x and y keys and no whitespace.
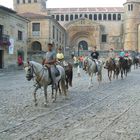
{"x":95,"y":55}
{"x":49,"y":61}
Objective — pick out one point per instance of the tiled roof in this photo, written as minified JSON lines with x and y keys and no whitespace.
{"x":87,"y":10}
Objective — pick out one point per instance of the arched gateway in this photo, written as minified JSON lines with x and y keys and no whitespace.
{"x":83,"y":34}
{"x":36,"y":46}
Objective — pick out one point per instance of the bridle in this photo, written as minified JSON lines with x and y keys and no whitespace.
{"x":32,"y":72}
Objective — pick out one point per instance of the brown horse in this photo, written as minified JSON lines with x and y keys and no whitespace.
{"x":136,"y":62}
{"x":68,"y":71}
{"x":111,"y":67}
{"x":124,"y":67}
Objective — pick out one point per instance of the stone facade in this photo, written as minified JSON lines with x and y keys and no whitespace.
{"x":34,"y":6}
{"x":115,"y":27}
{"x":13,"y":35}
{"x":43,"y":30}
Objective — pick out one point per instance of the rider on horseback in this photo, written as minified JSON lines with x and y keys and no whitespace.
{"x":111,"y":57}
{"x":122,"y":53}
{"x":60,"y":56}
{"x":49,"y":61}
{"x":95,"y":55}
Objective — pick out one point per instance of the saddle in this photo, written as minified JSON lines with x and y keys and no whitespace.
{"x":95,"y":64}
{"x":57,"y":72}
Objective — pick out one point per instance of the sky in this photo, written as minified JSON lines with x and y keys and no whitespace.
{"x":74,"y":3}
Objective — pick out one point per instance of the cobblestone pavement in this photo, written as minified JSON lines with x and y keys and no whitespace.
{"x":110,"y":111}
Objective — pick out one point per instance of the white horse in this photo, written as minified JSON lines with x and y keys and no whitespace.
{"x":43,"y":79}
{"x":91,"y":67}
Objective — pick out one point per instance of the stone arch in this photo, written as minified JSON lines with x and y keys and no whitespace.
{"x":36,"y":46}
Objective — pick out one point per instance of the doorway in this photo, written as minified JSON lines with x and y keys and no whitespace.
{"x":82,"y":47}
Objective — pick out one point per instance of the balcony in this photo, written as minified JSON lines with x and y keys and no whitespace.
{"x":4,"y":40}
{"x":36,"y":33}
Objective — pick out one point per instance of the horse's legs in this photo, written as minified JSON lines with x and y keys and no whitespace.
{"x":34,"y":94}
{"x":45,"y":94}
{"x":109,"y":75}
{"x":114,"y":74}
{"x":70,"y":78}
{"x":52,"y":92}
{"x":67,"y":83}
{"x":57,"y":86}
{"x":90,"y":80}
{"x":60,"y":92}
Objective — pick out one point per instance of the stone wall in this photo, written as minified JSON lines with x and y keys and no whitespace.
{"x":13,"y":23}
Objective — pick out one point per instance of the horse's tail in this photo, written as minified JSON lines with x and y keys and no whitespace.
{"x":63,"y":86}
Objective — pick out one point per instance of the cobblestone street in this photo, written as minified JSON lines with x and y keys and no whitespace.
{"x":110,"y":111}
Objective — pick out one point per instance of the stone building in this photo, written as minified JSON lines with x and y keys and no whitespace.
{"x":43,"y":30}
{"x":105,"y":27}
{"x":13,"y":37}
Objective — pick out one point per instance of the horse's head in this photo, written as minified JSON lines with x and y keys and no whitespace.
{"x":29,"y":71}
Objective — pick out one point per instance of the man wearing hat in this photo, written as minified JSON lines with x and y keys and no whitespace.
{"x":49,"y":61}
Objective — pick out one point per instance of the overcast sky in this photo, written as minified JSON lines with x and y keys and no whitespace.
{"x":74,"y":3}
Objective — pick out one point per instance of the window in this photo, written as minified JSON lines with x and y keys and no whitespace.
{"x":36,"y":27}
{"x":109,"y":16}
{"x":71,"y":17}
{"x":35,"y":1}
{"x":23,"y":1}
{"x":53,"y":32}
{"x":57,"y":34}
{"x":67,"y":18}
{"x":1,"y":31}
{"x":114,"y":16}
{"x":131,"y":7}
{"x":59,"y":37}
{"x":57,"y":17}
{"x":119,"y":16}
{"x":18,"y":1}
{"x":29,"y":1}
{"x":95,"y":17}
{"x":90,"y":16}
{"x":128,"y":7}
{"x":53,"y":16}
{"x":20,"y":35}
{"x":36,"y":46}
{"x":104,"y":17}
{"x":100,"y":16}
{"x":104,"y":38}
{"x":62,"y":17}
{"x":86,"y":15}
{"x":76,"y":16}
{"x":81,"y":15}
